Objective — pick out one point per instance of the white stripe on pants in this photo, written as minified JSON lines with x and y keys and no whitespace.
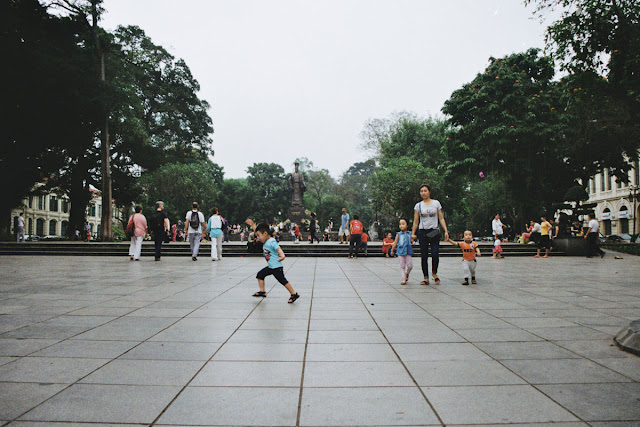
{"x":216,"y":247}
{"x":469,"y":268}
{"x":135,"y":248}
{"x":405,"y":261}
{"x":194,"y":242}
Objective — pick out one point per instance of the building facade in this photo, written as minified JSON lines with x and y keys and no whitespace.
{"x":618,"y":208}
{"x":48,"y":214}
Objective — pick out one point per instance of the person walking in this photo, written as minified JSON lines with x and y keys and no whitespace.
{"x":355,"y":232}
{"x":313,"y":228}
{"x":20,"y":228}
{"x":402,"y":246}
{"x":193,"y":226}
{"x":343,"y":232}
{"x":426,"y":215}
{"x":592,"y":237}
{"x":214,"y":228}
{"x":139,"y":232}
{"x":498,"y":230}
{"x":159,"y":228}
{"x":545,"y":237}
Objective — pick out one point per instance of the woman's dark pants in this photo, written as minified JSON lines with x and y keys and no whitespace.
{"x":425,"y":242}
{"x":158,"y":238}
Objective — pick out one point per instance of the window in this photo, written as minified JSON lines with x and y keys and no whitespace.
{"x":30,"y":202}
{"x":30,"y":231}
{"x":53,"y":204}
{"x":40,"y":227}
{"x":100,"y":211}
{"x":64,"y":228}
{"x":623,"y":217}
{"x":52,"y":227}
{"x":593,"y":185}
{"x":636,"y":172}
{"x":98,"y":230}
{"x":608,"y":180}
{"x":65,"y":206}
{"x":41,"y":203}
{"x":602,"y":181}
{"x":607,"y":223}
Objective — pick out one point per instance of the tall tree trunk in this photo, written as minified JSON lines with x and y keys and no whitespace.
{"x":79,"y":197}
{"x":105,"y":149}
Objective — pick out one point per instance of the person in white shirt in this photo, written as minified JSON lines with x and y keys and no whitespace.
{"x":214,"y":228}
{"x":498,"y":229}
{"x":592,"y":237}
{"x":20,"y":230}
{"x":193,"y":225}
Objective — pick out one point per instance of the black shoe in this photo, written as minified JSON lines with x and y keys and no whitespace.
{"x":157,"y":259}
{"x":293,"y":298}
{"x":602,"y":254}
{"x":465,"y":283}
{"x":194,"y":258}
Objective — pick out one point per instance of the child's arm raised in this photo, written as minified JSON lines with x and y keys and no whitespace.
{"x":251,"y":224}
{"x":281,"y":256}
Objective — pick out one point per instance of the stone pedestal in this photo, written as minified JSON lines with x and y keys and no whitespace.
{"x":628,"y":338}
{"x":572,"y":246}
{"x":296,"y":214}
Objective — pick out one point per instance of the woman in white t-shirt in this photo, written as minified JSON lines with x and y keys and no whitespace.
{"x":426,"y":216}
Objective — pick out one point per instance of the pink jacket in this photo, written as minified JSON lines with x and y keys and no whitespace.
{"x":140,"y":224}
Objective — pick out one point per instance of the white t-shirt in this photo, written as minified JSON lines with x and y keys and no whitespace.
{"x":216,"y":221}
{"x":536,"y":228}
{"x":200,"y":221}
{"x":594,"y":226}
{"x":496,"y":224}
{"x":20,"y":222}
{"x":428,"y":214}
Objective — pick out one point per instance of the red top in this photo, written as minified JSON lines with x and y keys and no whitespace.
{"x":386,"y":244}
{"x":356,"y":227}
{"x":365,"y":237}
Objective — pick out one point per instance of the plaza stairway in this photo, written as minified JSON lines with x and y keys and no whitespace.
{"x":232,"y":249}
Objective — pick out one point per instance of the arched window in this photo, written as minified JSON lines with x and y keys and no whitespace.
{"x":65,"y":205}
{"x":52,"y":227}
{"x":606,"y":220}
{"x":40,"y":227}
{"x":64,"y":228}
{"x":623,"y":217}
{"x":30,"y":229}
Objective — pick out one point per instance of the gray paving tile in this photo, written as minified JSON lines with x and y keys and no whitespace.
{"x":525,"y":350}
{"x":498,"y":334}
{"x":49,"y":369}
{"x":86,"y":349}
{"x":495,"y":405}
{"x":563,"y":371}
{"x":356,"y":374}
{"x":628,"y":366}
{"x":462,"y":373}
{"x":244,"y":406}
{"x":145,"y":372}
{"x":597,"y":402}
{"x":592,"y":349}
{"x":23,"y":347}
{"x":341,"y":337}
{"x":283,"y":336}
{"x":249,"y":374}
{"x":439,"y":351}
{"x":152,"y":350}
{"x":350,"y":352}
{"x":18,"y":398}
{"x":105,"y":403}
{"x":261,"y":352}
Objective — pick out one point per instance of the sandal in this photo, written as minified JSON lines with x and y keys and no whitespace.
{"x":293,"y":298}
{"x":436,"y":279}
{"x":404,"y":282}
{"x":260,"y":294}
{"x":425,"y":283}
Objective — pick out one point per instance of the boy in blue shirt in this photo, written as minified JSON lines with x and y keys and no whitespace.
{"x":274,"y":256}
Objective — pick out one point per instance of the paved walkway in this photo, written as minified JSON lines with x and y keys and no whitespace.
{"x":106,"y":340}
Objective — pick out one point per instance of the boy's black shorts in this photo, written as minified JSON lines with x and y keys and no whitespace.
{"x":278,"y":273}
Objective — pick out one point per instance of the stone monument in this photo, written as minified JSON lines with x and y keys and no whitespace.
{"x":297,"y":187}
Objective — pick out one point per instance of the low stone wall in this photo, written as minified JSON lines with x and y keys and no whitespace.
{"x":572,"y":246}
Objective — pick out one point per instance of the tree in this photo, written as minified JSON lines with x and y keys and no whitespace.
{"x":268,"y":192}
{"x":320,"y":186}
{"x":179,"y":184}
{"x":355,"y":188}
{"x":233,"y":199}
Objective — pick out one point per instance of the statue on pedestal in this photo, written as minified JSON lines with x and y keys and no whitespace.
{"x":297,"y":187}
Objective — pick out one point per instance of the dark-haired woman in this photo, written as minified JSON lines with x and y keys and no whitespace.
{"x":427,"y":214}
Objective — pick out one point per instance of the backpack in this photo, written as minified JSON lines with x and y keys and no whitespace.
{"x":224,"y":224}
{"x":158,"y":221}
{"x":356,"y":227}
{"x":194,"y":221}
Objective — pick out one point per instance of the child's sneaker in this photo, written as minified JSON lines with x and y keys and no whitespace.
{"x":473,"y":281}
{"x":465,"y":282}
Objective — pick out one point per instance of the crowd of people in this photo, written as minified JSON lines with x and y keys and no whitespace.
{"x":428,"y":220}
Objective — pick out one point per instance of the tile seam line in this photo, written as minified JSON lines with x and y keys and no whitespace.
{"x":492,"y":358}
{"x":155,"y":420}
{"x":101,"y":366}
{"x":306,"y":345}
{"x":420,"y":390}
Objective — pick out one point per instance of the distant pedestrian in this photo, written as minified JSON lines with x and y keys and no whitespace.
{"x":313,"y":228}
{"x":497,"y":249}
{"x":402,"y":247}
{"x":364,"y":243}
{"x":20,"y":228}
{"x":139,"y":232}
{"x":159,"y":228}
{"x":174,"y":232}
{"x":498,"y":227}
{"x":545,"y":237}
{"x":387,"y":245}
{"x":470,"y":250}
{"x":193,"y":226}
{"x":87,"y":231}
{"x":592,"y":237}
{"x":214,"y":228}
{"x":343,"y":232}
{"x":426,"y":215}
{"x":274,"y":255}
{"x":536,"y":232}
{"x":355,"y":232}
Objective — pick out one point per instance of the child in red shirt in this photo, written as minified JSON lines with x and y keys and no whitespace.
{"x":387,"y":243}
{"x":470,"y":250}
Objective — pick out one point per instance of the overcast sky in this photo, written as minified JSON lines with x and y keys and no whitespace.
{"x":299,"y":78}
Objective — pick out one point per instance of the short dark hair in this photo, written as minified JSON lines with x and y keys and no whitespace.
{"x":355,"y":217}
{"x":214,"y":211}
{"x":21,"y":213}
{"x":404,"y":219}
{"x":592,"y":215}
{"x":313,"y":215}
{"x":263,"y":227}
{"x":425,"y":185}
{"x":138,"y":209}
{"x":194,"y":205}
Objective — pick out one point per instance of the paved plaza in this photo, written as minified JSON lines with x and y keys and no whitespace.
{"x":108,"y":341}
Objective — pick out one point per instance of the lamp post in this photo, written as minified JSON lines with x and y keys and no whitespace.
{"x":633,"y":195}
